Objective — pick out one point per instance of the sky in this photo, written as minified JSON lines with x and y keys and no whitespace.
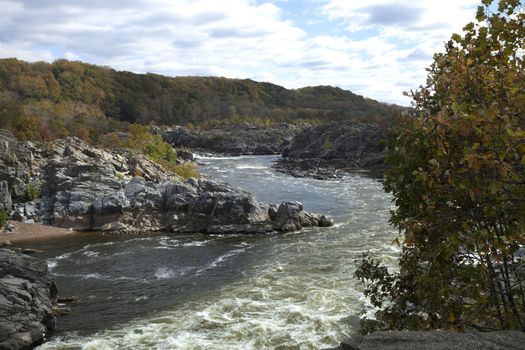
{"x":374,"y":48}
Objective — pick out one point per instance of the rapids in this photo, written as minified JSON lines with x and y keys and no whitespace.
{"x":292,"y":291}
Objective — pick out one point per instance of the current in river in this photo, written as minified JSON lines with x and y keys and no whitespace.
{"x":277,"y":291}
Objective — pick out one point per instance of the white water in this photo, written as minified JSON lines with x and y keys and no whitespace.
{"x":296,"y":292}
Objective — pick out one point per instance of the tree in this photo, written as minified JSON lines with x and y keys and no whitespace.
{"x":458,"y":179}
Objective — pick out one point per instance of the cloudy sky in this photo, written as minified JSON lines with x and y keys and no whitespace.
{"x":375,"y":48}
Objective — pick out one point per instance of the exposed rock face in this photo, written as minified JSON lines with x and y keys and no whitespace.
{"x":322,"y":151}
{"x":17,"y":167}
{"x":86,"y":188}
{"x":90,"y":189}
{"x":235,"y":139}
{"x":27,"y":297}
{"x":5,"y":196}
{"x":503,"y":340}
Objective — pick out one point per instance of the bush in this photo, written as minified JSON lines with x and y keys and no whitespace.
{"x":4,"y":215}
{"x":162,"y":153}
{"x":457,"y":174}
{"x":32,"y":192}
{"x":328,"y":145}
{"x":186,"y":171}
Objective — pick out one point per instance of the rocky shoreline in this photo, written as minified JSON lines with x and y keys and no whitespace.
{"x":328,"y":151}
{"x":89,"y":189}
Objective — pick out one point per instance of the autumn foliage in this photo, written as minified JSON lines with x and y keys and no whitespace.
{"x":61,"y":91}
{"x":458,"y":180}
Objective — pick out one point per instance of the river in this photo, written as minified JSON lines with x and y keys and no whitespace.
{"x":291,"y":291}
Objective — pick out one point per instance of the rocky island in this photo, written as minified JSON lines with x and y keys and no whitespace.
{"x":325,"y":151}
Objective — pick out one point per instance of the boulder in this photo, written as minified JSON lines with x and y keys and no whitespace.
{"x":27,"y":298}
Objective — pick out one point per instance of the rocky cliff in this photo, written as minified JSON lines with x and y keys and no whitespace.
{"x":27,"y":297}
{"x":86,"y":188}
{"x":19,"y":161}
{"x":323,"y":151}
{"x":236,"y":139}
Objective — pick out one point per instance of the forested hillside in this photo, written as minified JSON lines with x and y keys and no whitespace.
{"x":76,"y":98}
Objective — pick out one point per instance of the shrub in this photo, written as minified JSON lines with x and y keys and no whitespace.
{"x":162,"y":153}
{"x":328,"y":145}
{"x":32,"y":192}
{"x":186,"y":171}
{"x":4,"y":215}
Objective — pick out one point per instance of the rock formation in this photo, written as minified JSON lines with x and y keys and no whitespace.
{"x":323,"y":151}
{"x":86,"y":188}
{"x":27,"y":298}
{"x":17,"y":166}
{"x":236,"y":139}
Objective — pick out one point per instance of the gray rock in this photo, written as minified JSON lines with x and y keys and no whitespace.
{"x":86,"y":188}
{"x":436,"y":340}
{"x":326,"y":221}
{"x":185,"y":156}
{"x":27,"y":297}
{"x":18,"y":212}
{"x":323,"y":151}
{"x":17,"y":166}
{"x":234,"y":139}
{"x":100,"y":202}
{"x":5,"y":196}
{"x":30,"y":209}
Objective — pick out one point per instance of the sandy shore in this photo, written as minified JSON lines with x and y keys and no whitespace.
{"x":24,"y":232}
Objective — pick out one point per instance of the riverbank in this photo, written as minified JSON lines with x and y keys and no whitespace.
{"x":21,"y":232}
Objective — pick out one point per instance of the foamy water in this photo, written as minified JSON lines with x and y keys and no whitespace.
{"x":292,"y":291}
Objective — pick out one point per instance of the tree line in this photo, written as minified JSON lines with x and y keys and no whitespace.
{"x":48,"y":100}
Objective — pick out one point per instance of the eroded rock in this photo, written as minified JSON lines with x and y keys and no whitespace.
{"x":83,"y":191}
{"x":324,"y":151}
{"x":236,"y":139}
{"x":27,"y":297}
{"x":85,"y":188}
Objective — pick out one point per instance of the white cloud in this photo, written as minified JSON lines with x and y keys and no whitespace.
{"x":407,"y":34}
{"x":240,"y":39}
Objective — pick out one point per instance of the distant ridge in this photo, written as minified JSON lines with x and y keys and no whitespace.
{"x":62,"y":87}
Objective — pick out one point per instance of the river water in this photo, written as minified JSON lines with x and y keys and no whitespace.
{"x":291,"y":291}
